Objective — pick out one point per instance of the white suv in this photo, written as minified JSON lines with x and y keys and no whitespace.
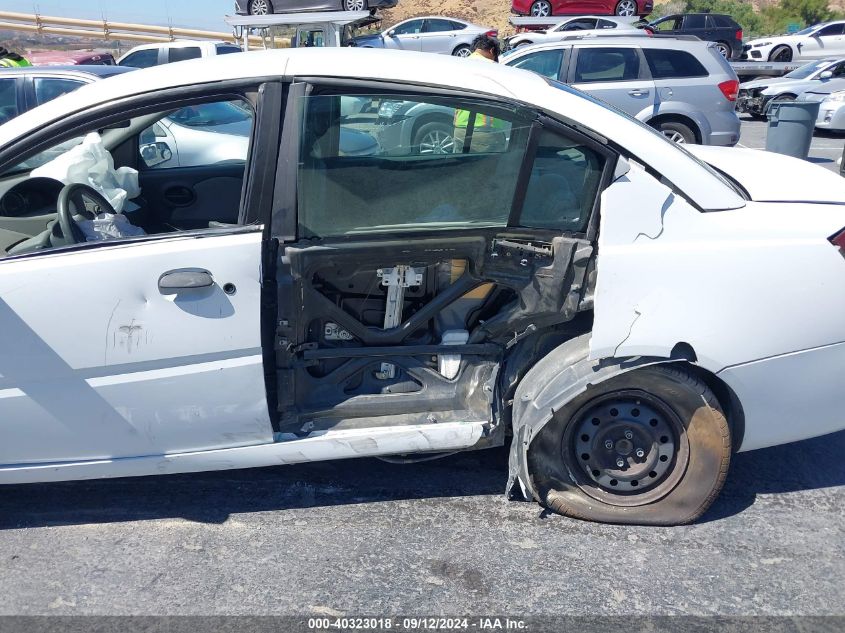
{"x":156,"y":54}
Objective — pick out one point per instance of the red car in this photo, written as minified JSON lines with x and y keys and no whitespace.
{"x":548,"y":8}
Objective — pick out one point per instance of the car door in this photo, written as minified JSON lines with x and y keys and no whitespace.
{"x":403,"y":276}
{"x":549,"y":63}
{"x":12,"y":98}
{"x":438,"y":36}
{"x":696,"y":24}
{"x":140,"y":346}
{"x":826,"y":41}
{"x":615,"y":74}
{"x":40,"y":90}
{"x":405,"y":35}
{"x":145,"y":58}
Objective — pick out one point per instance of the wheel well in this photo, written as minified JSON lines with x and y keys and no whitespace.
{"x":460,"y":46}
{"x":428,"y":118}
{"x":728,"y":400}
{"x":677,"y":118}
{"x":778,"y":47}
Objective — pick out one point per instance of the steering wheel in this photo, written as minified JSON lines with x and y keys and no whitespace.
{"x":76,"y":193}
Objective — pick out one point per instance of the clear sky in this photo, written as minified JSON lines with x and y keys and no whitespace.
{"x":200,"y":14}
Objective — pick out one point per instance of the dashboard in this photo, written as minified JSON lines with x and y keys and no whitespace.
{"x":31,"y":197}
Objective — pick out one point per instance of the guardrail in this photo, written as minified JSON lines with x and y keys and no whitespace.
{"x":105,"y":30}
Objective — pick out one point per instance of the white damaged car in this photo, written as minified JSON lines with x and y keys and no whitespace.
{"x":566,"y":275}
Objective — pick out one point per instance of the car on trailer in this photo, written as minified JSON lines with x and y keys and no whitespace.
{"x":427,"y":34}
{"x":583,"y":25}
{"x":553,"y":278}
{"x":546,"y":8}
{"x":710,"y":27}
{"x":814,"y":42}
{"x":269,"y":7}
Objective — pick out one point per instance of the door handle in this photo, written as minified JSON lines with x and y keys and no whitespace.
{"x":180,"y":196}
{"x":185,"y":279}
{"x":638,"y":92}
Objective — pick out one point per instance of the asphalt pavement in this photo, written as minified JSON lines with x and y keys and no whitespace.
{"x":366,"y":537}
{"x":826,"y":148}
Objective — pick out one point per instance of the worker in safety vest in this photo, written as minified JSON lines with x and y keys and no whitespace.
{"x":488,"y":133}
{"x":9,"y":59}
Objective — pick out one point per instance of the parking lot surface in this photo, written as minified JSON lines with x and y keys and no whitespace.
{"x":825,"y":150}
{"x":364,"y":537}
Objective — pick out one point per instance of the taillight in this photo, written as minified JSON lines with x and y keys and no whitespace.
{"x":493,"y":33}
{"x":729,"y":88}
{"x":739,"y":35}
{"x":839,"y":240}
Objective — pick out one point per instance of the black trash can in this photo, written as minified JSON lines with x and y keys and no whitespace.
{"x":791,"y":125}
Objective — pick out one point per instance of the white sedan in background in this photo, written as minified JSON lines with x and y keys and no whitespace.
{"x":566,"y":274}
{"x":431,"y":34}
{"x":814,"y":42}
{"x":581,"y":25}
{"x":831,"y":100}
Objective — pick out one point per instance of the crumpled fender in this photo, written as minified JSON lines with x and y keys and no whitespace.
{"x":560,"y":376}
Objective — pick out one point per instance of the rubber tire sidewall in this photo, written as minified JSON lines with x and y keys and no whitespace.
{"x":425,"y":128}
{"x":709,"y":453}
{"x":270,"y":8}
{"x":676,"y":126}
{"x":773,"y":56}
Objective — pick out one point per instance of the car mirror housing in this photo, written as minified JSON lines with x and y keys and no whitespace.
{"x":826,"y":75}
{"x":155,"y":154}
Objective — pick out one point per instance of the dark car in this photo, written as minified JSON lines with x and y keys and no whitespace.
{"x":712,"y":27}
{"x":23,"y":89}
{"x":70,"y":58}
{"x":266,"y":7}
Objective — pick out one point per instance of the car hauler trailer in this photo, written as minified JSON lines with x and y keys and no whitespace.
{"x":327,"y":28}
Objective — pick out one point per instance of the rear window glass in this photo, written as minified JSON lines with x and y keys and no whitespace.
{"x":721,"y":21}
{"x":607,"y":64}
{"x":225,"y":49}
{"x":546,"y":63}
{"x":669,"y":64}
{"x":694,"y":22}
{"x":182,"y":54}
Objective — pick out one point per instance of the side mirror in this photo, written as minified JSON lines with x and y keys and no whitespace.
{"x":155,"y":154}
{"x":391,"y":33}
{"x":826,"y":74}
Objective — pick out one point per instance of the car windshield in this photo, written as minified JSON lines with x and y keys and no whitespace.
{"x":806,"y":70}
{"x":681,"y":148}
{"x":210,"y":115}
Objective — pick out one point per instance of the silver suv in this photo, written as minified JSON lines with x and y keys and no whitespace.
{"x":684,"y":88}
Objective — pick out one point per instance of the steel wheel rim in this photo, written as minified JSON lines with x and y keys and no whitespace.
{"x":259,"y":7}
{"x":626,"y":8}
{"x":354,"y":5}
{"x":783,"y":56}
{"x":541,"y":9}
{"x":618,"y":426}
{"x":463,"y":51}
{"x":437,"y":142}
{"x":675,"y":136}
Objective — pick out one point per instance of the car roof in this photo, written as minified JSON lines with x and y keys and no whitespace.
{"x":616,"y":40}
{"x":69,"y":70}
{"x":175,"y":44}
{"x":417,"y":70}
{"x":448,"y":18}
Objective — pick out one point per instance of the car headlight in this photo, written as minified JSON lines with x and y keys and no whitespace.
{"x":836,"y":96}
{"x":759,"y":44}
{"x":388,"y":109}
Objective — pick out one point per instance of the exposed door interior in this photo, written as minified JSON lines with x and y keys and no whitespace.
{"x":408,"y":274}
